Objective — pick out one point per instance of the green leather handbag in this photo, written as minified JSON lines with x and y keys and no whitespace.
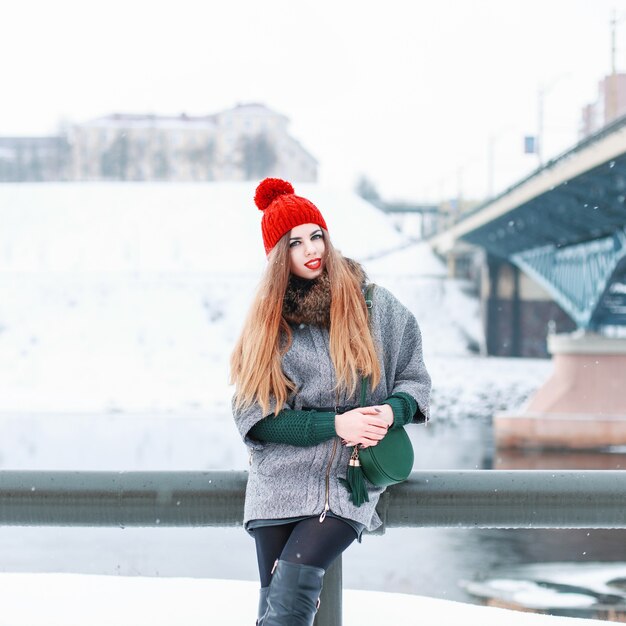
{"x":390,"y":461}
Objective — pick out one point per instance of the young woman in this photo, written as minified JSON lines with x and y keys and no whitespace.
{"x":297,"y":366}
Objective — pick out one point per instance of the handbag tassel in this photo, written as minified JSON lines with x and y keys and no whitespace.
{"x":355,"y":480}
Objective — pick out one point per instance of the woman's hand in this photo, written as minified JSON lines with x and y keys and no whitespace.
{"x":386,"y":412}
{"x":364,"y":426}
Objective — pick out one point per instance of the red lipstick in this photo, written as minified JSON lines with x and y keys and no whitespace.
{"x":314,"y":264}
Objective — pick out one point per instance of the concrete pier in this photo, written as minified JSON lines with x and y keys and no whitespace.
{"x":581,"y":406}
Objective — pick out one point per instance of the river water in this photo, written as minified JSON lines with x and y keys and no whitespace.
{"x":431,"y":562}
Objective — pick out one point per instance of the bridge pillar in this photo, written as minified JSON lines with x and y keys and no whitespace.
{"x":581,"y":406}
{"x":517,"y":312}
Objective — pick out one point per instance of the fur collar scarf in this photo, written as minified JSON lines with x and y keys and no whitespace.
{"x":308,"y":301}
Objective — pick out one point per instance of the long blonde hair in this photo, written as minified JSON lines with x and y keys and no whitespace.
{"x":255,"y":363}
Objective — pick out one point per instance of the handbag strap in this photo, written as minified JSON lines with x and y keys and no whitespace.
{"x":354,"y":480}
{"x":366,"y":379}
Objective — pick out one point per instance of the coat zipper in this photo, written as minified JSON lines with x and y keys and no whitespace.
{"x":330,"y":463}
{"x":326,"y":504}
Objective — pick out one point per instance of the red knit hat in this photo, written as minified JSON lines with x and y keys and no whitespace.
{"x":283,"y":210}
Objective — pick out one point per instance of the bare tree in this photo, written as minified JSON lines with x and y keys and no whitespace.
{"x":114,"y":161}
{"x":258,"y":156}
{"x":367,"y":190}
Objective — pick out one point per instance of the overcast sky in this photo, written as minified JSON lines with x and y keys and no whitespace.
{"x":405,"y":92}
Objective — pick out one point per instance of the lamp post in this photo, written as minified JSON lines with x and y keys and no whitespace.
{"x":490,"y":164}
{"x":610,"y":112}
{"x":542,"y":92}
{"x":491,"y":145}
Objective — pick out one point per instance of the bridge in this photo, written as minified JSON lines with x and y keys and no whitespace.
{"x":564,"y":228}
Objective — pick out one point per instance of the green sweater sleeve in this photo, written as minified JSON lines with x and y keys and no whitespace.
{"x":404,"y":409}
{"x":308,"y":428}
{"x":297,"y":428}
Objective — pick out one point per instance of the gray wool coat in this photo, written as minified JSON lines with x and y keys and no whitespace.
{"x":289,"y":481}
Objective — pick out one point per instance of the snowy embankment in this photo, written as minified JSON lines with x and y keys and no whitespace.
{"x":118,"y":298}
{"x":71,"y":600}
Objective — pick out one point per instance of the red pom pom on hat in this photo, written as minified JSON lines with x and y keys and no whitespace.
{"x":283,"y":210}
{"x":269,"y":189}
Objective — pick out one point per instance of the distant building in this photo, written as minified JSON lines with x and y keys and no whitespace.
{"x":144,"y":148}
{"x":610,"y":104}
{"x":247,"y":142}
{"x":34,"y":158}
{"x":252,"y":142}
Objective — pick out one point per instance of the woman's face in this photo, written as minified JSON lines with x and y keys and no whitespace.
{"x":307,"y":251}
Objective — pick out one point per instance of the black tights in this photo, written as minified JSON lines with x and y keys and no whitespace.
{"x":308,"y":542}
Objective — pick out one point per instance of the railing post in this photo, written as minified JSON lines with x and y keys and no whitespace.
{"x":330,"y":610}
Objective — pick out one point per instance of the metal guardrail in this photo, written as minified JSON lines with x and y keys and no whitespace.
{"x":460,"y":499}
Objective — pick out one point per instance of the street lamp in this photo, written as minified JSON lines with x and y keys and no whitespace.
{"x":491,"y":145}
{"x":611,"y":105}
{"x":543,"y":91}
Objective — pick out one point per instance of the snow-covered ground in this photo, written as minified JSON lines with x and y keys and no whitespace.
{"x":71,"y":600}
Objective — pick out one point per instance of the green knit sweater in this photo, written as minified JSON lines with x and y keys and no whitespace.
{"x":308,"y":428}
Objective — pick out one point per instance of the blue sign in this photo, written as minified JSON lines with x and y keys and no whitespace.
{"x":530,"y":144}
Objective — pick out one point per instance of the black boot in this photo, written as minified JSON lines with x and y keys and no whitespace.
{"x":262,"y":604}
{"x":293,"y":595}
